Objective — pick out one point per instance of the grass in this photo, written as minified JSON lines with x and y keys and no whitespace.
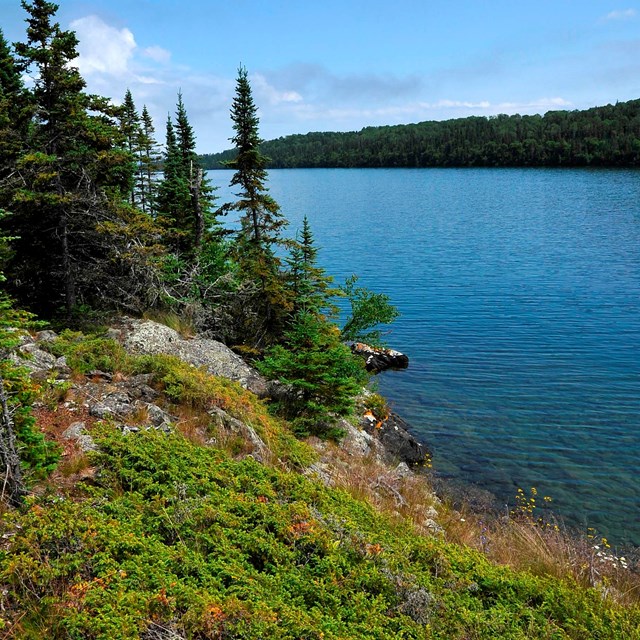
{"x":185,"y":532}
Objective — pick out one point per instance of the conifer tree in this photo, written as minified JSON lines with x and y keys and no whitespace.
{"x":260,"y":217}
{"x":310,"y":286}
{"x":131,"y":132}
{"x":185,"y":200}
{"x":14,"y":110}
{"x":149,"y":163}
{"x":67,"y":192}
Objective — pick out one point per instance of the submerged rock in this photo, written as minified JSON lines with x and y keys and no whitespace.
{"x":378,"y":359}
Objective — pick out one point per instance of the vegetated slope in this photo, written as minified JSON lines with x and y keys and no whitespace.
{"x":170,"y":536}
{"x":606,"y":136}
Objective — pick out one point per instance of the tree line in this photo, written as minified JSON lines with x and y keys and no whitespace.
{"x":97,"y":218}
{"x":606,"y":136}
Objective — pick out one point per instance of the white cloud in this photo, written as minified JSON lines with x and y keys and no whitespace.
{"x":158,"y":54}
{"x":102,"y":48}
{"x":263,"y":89}
{"x":620,"y":14}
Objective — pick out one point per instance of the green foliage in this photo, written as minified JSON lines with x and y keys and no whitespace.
{"x":321,"y":371}
{"x":310,"y":286}
{"x":66,"y":186}
{"x":38,"y":456}
{"x":601,"y":136}
{"x":179,"y":537}
{"x":260,"y":217}
{"x":85,"y":354}
{"x":368,"y":310}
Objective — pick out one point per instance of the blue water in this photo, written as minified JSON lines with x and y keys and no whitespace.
{"x":520,"y":297}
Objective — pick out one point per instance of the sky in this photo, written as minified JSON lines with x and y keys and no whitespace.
{"x":341,"y":65}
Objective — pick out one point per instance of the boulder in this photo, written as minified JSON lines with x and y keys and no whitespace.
{"x":378,"y":359}
{"x":398,"y":443}
{"x":222,"y":420}
{"x":152,"y":338}
{"x":78,"y":433}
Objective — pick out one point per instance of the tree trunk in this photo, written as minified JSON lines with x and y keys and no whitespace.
{"x":69,"y":284}
{"x":13,"y":487}
{"x":197,"y":205}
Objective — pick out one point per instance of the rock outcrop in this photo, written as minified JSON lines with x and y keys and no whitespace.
{"x":397,"y":442}
{"x":148,"y":337}
{"x":378,"y":359}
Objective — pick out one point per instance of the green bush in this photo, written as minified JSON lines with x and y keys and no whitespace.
{"x":179,"y":536}
{"x":86,"y":353}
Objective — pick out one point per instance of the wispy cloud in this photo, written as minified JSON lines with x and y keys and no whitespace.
{"x":620,"y":14}
{"x":157,"y":53}
{"x":103,"y":49}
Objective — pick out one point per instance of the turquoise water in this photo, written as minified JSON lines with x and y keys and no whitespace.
{"x":520,"y":296}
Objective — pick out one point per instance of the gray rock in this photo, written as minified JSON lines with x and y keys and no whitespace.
{"x":356,"y":441}
{"x":431,"y":513}
{"x":46,"y":336}
{"x":321,"y":472}
{"x":433,"y":526}
{"x":77,"y":433}
{"x":113,"y":405}
{"x":147,"y":337}
{"x":222,"y":420}
{"x":33,"y":358}
{"x":399,"y":444}
{"x":160,"y":419}
{"x":402,"y":471}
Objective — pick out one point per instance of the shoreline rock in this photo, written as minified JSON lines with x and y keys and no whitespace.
{"x":378,"y":359}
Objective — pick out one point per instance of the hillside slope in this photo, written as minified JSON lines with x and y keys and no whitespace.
{"x":191,"y":529}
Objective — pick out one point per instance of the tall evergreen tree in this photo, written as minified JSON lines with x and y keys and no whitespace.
{"x":173,"y":194}
{"x":66,"y":193}
{"x":186,"y":198}
{"x":150,"y":159}
{"x":260,"y":217}
{"x":14,"y":110}
{"x":131,"y":133}
{"x":310,"y":286}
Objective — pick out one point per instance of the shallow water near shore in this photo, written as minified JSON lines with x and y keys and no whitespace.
{"x":520,"y":297}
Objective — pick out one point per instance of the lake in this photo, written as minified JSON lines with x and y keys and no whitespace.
{"x":520,"y":297}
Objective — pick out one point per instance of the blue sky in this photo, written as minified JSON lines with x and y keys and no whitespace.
{"x":343,"y":65}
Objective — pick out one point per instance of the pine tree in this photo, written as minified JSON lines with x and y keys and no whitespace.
{"x":67,"y":191}
{"x":150,"y":159}
{"x":131,"y":132}
{"x":186,"y":198}
{"x":174,"y":199}
{"x":260,"y":218}
{"x":310,"y":286}
{"x":321,"y":371}
{"x":14,"y":110}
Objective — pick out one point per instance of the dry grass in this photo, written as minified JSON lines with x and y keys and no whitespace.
{"x":546,"y":548}
{"x":183,"y":324}
{"x":404,"y":498}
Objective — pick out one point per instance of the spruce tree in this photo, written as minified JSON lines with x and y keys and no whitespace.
{"x":310,"y":286}
{"x":14,"y":111}
{"x":185,"y":199}
{"x":131,"y":133}
{"x":149,"y":160}
{"x":261,"y":220}
{"x":66,"y":195}
{"x":173,"y":194}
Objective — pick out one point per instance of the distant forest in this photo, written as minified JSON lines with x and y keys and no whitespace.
{"x":599,"y":137}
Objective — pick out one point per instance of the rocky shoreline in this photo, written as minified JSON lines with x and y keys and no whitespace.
{"x":390,"y":440}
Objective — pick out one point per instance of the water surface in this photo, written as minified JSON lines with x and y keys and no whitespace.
{"x":520,"y":296}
